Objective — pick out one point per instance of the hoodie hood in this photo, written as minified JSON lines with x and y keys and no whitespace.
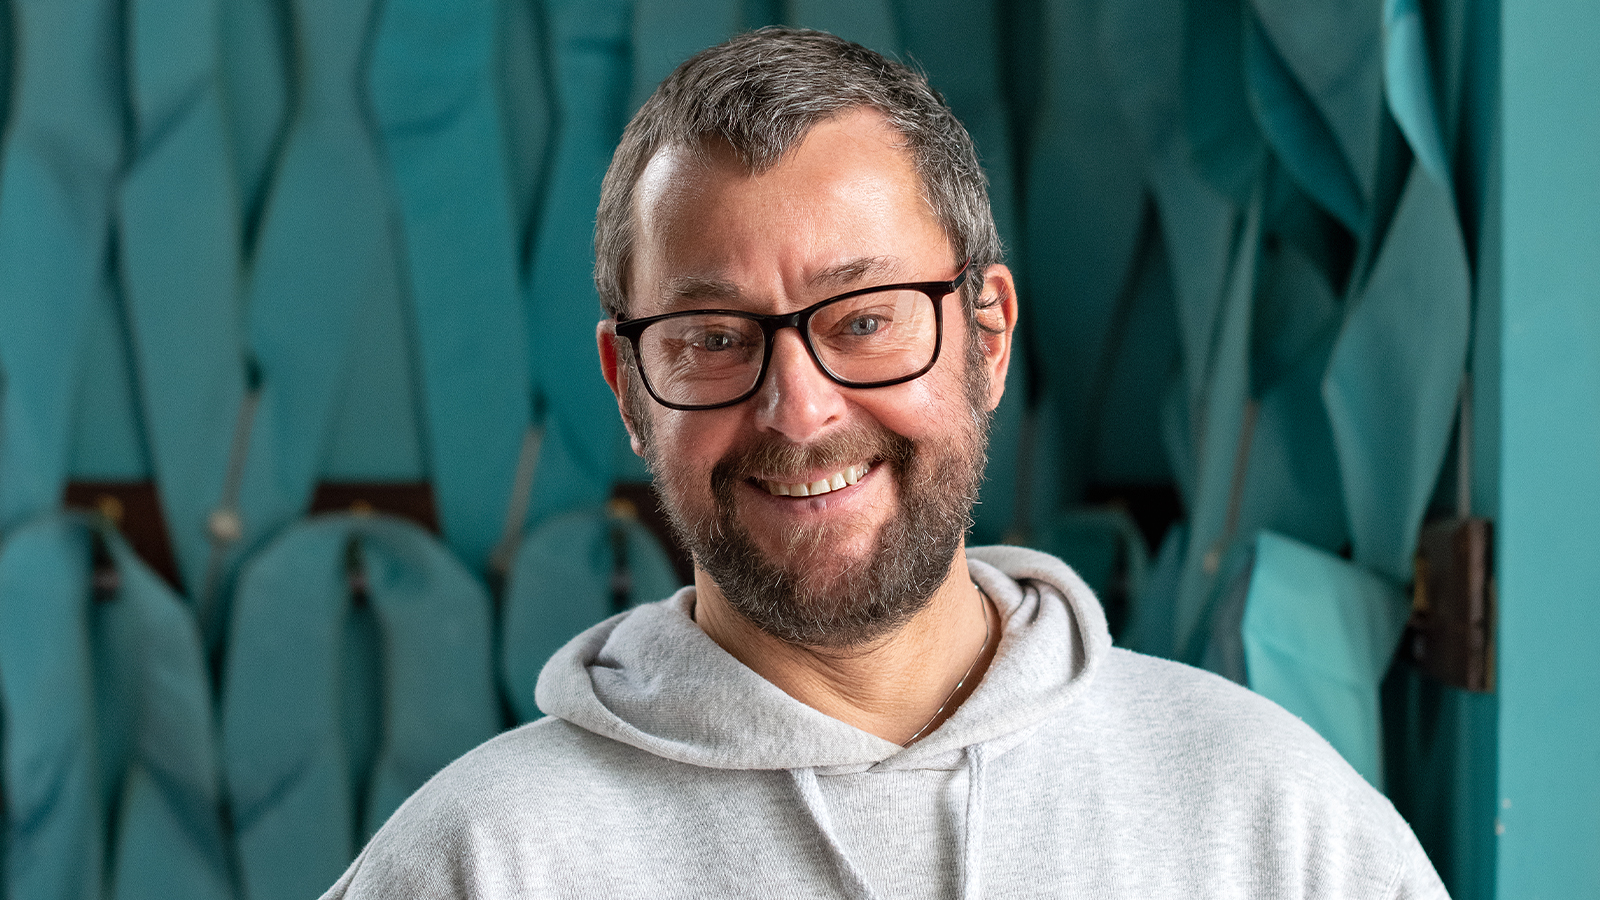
{"x":650,"y":678}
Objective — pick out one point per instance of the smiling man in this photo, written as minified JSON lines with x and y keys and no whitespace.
{"x":808,"y":326}
{"x":821,"y":474}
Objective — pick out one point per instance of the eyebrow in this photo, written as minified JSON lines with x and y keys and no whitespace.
{"x":689,"y":291}
{"x":852,"y":272}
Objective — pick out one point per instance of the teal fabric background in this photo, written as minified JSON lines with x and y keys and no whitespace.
{"x":1264,"y":248}
{"x":111,"y":777}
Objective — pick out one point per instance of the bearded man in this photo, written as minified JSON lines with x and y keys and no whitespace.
{"x":808,"y":326}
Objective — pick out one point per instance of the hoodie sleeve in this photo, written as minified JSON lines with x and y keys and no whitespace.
{"x":424,"y":852}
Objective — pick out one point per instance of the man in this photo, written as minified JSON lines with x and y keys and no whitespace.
{"x":808,"y":326}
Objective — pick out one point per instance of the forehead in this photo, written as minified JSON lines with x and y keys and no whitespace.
{"x":848,"y":192}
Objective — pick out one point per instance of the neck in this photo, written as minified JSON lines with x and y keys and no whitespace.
{"x":894,"y":686}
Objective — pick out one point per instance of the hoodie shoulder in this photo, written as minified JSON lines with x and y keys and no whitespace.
{"x":1216,"y":726}
{"x":1228,"y":761}
{"x":494,"y":823}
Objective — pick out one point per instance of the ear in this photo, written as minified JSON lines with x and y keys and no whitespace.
{"x":616,"y":376}
{"x":997,"y":319}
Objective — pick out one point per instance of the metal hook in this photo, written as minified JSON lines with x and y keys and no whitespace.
{"x":356,"y":573}
{"x":105,"y":581}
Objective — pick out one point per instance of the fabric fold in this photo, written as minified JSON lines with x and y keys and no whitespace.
{"x":111,"y":776}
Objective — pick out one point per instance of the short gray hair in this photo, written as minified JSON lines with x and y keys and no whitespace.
{"x":760,"y":93}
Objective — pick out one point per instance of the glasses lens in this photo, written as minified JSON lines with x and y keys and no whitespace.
{"x":880,"y":336}
{"x":701,"y":358}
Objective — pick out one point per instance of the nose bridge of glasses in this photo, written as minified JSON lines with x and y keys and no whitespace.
{"x":795,"y":393}
{"x":775,"y":328}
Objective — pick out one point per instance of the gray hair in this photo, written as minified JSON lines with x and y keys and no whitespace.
{"x":760,"y":93}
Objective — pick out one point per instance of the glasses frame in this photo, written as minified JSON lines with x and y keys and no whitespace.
{"x":936,"y":291}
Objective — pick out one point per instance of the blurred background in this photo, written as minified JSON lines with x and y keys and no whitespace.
{"x":306,"y":466}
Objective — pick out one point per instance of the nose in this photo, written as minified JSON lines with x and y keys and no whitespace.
{"x":796,"y":399}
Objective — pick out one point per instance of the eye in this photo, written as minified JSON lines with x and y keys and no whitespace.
{"x":716,"y":341}
{"x":861,"y":326}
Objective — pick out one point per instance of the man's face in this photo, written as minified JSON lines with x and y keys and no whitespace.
{"x":842,"y":211}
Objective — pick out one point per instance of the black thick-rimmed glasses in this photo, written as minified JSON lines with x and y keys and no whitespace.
{"x":866,"y":338}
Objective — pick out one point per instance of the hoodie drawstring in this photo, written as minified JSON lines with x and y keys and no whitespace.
{"x":972,"y":844}
{"x":805,"y":782}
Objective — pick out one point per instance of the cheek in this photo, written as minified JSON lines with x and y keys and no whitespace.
{"x":939,"y":398}
{"x":686,"y":445}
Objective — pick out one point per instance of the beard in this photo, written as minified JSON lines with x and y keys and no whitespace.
{"x":807,"y":594}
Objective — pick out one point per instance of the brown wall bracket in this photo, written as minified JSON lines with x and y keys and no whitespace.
{"x":135,"y":510}
{"x":1451,"y":635}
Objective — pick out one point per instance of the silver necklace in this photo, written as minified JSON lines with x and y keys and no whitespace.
{"x":983,"y":600}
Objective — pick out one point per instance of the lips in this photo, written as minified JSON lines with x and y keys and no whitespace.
{"x":842,"y":478}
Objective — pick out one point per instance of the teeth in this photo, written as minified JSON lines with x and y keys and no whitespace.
{"x":833,"y":482}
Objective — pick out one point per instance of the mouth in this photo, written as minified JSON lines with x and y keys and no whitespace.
{"x":836,"y":481}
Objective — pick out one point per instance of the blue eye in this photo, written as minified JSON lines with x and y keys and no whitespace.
{"x":861,"y":326}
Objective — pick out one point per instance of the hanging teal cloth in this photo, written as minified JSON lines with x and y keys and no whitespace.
{"x":107,"y":432}
{"x":1319,"y":634}
{"x":1286,"y":478}
{"x":1140,"y":45}
{"x":1316,"y":84}
{"x":583,"y":436}
{"x":180,"y":242}
{"x":1203,"y":172}
{"x":667,"y":32}
{"x":433,"y":90}
{"x":255,"y":71}
{"x":1424,"y":260}
{"x":1291,"y":479}
{"x":523,"y":72}
{"x":1228,"y":148}
{"x":1143,"y":45}
{"x":1198,"y":226}
{"x":870,"y":23}
{"x":1215,"y":432}
{"x":1084,"y":204}
{"x":1122,"y":421}
{"x":1300,"y":138}
{"x":1223,"y":652}
{"x":328,"y":724}
{"x":324,"y":256}
{"x":63,"y":151}
{"x":1474,"y":115}
{"x":964,"y":65}
{"x":572,"y":571}
{"x":378,"y":420}
{"x":1411,"y":86}
{"x":111,"y":780}
{"x":1148,"y":627}
{"x":1392,"y":383}
{"x":1120,"y":424}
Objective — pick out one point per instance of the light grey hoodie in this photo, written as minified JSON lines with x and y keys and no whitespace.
{"x":666,"y":769}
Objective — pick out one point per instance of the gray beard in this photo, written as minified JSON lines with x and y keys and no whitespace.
{"x":795,"y":602}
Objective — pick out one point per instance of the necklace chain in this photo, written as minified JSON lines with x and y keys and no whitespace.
{"x":983,"y":600}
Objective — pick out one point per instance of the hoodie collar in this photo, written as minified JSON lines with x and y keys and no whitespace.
{"x":652,"y":679}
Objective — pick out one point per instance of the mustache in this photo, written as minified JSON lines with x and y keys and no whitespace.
{"x":774,"y":455}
